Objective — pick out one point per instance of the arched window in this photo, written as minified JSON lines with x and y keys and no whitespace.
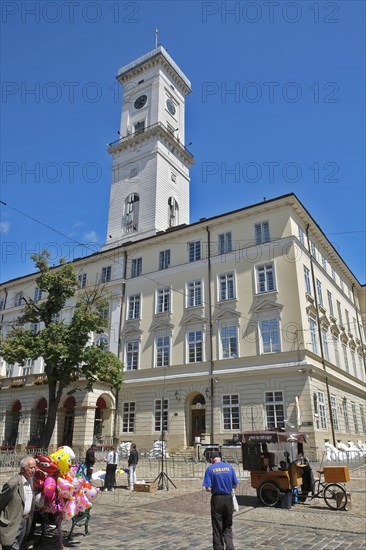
{"x":173,"y":212}
{"x":69,"y":406}
{"x":102,"y":342}
{"x":38,"y":421}
{"x":132,"y":212}
{"x":98,"y":419}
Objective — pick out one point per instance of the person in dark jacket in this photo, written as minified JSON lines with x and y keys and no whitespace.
{"x":132,"y":464}
{"x":90,"y":460}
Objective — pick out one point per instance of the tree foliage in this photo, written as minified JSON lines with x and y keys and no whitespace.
{"x":63,"y":344}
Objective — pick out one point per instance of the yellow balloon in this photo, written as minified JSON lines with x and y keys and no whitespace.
{"x":62,"y":459}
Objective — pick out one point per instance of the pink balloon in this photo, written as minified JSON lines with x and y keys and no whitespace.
{"x":91,"y":493}
{"x":65,"y":488}
{"x":77,"y":483}
{"x":82,"y":502}
{"x":70,"y":508}
{"x":49,"y":487}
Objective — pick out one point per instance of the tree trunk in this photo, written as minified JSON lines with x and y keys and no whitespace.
{"x":54,"y":396}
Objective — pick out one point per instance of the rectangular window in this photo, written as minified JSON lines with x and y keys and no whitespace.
{"x":82,"y":280}
{"x":163,"y":300}
{"x":324,"y":262}
{"x":225,"y":243}
{"x":322,"y":410}
{"x":319,"y":292}
{"x":261,"y":232}
{"x":28,"y":367}
{"x":132,"y":355}
{"x":18,"y":299}
{"x":354,"y":414}
{"x":34,"y":328}
{"x":336,"y":352}
{"x":136,"y":267}
{"x":275,"y":410}
{"x":134,"y":303}
{"x":2,"y":304}
{"x":230,"y":412}
{"x":161,"y":415}
{"x":307,"y":280}
{"x":339,"y":311}
{"x":341,"y":284}
{"x":37,"y":294}
{"x":195,"y":346}
{"x":164,"y":259}
{"x":194,"y":251}
{"x":334,"y":275}
{"x":226,"y":286}
{"x":128,"y":417}
{"x":162,"y":347}
{"x":333,"y":404}
{"x":9,"y":370}
{"x":139,"y":127}
{"x":363,"y":419}
{"x":265,"y":278}
{"x":301,"y":235}
{"x":325,"y":344}
{"x":229,"y":342}
{"x":194,"y":294}
{"x":270,"y":333}
{"x":313,"y":249}
{"x":330,"y":303}
{"x":353,"y":359}
{"x":347,"y":321}
{"x":345,"y":357}
{"x":106,"y":274}
{"x":314,"y":344}
{"x":345,"y":414}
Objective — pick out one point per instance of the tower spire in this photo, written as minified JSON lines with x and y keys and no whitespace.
{"x":156,"y":38}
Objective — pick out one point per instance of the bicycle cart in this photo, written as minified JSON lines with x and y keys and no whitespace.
{"x":273,"y":482}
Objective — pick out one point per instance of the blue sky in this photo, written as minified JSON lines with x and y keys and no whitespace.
{"x":277,"y":107}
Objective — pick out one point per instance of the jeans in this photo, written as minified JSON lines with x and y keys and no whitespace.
{"x":132,"y":475}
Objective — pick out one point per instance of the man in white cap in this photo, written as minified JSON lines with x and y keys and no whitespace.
{"x":220,"y":479}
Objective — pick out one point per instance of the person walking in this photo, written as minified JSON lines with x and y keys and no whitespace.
{"x":17,"y":506}
{"x":132,"y":464}
{"x":90,"y":461}
{"x":220,"y":479}
{"x":111,"y":459}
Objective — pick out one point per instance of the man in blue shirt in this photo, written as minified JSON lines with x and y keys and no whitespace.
{"x":220,"y":479}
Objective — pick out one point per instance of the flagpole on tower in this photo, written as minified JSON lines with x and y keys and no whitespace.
{"x":156,"y":38}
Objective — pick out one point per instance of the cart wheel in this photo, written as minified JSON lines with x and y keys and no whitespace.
{"x":269,"y":494}
{"x":335,"y":496}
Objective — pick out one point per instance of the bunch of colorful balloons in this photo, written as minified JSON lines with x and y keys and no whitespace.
{"x":64,"y":488}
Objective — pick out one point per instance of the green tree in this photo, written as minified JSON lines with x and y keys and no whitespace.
{"x":63,"y":345}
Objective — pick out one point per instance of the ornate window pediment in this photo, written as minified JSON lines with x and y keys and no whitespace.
{"x":162,"y":325}
{"x":225,"y":314}
{"x":267,"y":307}
{"x":132,"y":328}
{"x":193,"y":320}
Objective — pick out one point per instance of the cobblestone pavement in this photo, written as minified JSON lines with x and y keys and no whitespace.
{"x":179,"y":519}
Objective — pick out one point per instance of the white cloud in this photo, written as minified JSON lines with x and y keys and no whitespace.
{"x":4,"y":227}
{"x":90,"y":237}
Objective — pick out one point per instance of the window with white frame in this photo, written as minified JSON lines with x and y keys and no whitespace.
{"x":275,"y":409}
{"x":354,"y":414}
{"x":261,"y":231}
{"x":136,"y":267}
{"x":334,"y":410}
{"x":105,"y":312}
{"x":37,"y":294}
{"x":102,"y":342}
{"x":322,"y":410}
{"x":334,"y":274}
{"x":363,"y":419}
{"x":361,"y":367}
{"x":82,"y":280}
{"x":226,"y":286}
{"x":195,"y":346}
{"x":270,"y":335}
{"x":347,"y":320}
{"x":330,"y":303}
{"x":324,"y":262}
{"x":336,"y":351}
{"x":162,"y":351}
{"x":313,"y":249}
{"x":173,"y":212}
{"x":128,"y":417}
{"x":225,"y":242}
{"x":345,"y":414}
{"x":164,"y":259}
{"x":106,"y":274}
{"x":28,"y":367}
{"x":34,"y":327}
{"x":353,"y":359}
{"x":325,"y":344}
{"x":18,"y":299}
{"x":265,"y":278}
{"x":132,"y":212}
{"x":307,"y":280}
{"x":163,"y":300}
{"x":134,"y":306}
{"x":9,"y":370}
{"x":139,"y":127}
{"x":161,"y":415}
{"x":319,"y":292}
{"x":194,"y":251}
{"x":339,"y":311}
{"x":229,"y":341}
{"x":230,"y":412}
{"x":194,"y":293}
{"x":313,"y":339}
{"x":341,"y":284}
{"x":132,"y":355}
{"x":345,"y":357}
{"x":301,"y":235}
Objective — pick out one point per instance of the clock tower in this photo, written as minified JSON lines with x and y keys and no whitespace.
{"x":150,"y":163}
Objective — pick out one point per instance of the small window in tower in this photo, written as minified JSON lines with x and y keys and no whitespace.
{"x":173,"y":177}
{"x":141,"y":81}
{"x":132,"y":212}
{"x":139,"y":127}
{"x":173,"y":212}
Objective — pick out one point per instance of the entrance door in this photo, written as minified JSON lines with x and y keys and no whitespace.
{"x":198,"y":423}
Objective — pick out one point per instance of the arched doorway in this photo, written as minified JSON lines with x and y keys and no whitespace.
{"x":98,"y":419}
{"x":69,"y":407}
{"x":12,"y":424}
{"x":38,"y":422}
{"x":198,"y":417}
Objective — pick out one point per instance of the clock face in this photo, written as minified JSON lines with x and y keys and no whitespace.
{"x":170,"y":106}
{"x":140,"y":102}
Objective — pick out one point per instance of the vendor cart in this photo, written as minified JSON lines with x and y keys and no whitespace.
{"x":276,"y":465}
